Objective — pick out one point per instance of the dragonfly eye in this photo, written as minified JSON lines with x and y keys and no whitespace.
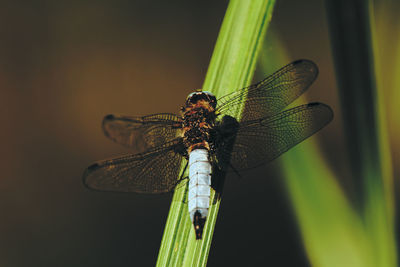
{"x":192,"y":98}
{"x":211,"y":98}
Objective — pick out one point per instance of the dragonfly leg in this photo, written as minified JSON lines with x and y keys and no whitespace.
{"x":182,"y":177}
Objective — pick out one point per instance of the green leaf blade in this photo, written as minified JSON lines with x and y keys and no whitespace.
{"x":231,"y":68}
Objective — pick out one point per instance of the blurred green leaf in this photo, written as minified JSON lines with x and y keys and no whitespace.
{"x":335,"y":231}
{"x":352,"y":28}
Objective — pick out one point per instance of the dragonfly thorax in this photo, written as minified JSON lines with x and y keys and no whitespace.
{"x":198,"y":120}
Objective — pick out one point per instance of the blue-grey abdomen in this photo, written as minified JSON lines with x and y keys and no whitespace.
{"x":199,"y":185}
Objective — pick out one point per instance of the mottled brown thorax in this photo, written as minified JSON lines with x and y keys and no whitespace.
{"x":198,"y":120}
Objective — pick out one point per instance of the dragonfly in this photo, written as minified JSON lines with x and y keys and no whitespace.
{"x":206,"y":137}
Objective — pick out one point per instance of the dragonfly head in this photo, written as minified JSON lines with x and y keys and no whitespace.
{"x":192,"y":98}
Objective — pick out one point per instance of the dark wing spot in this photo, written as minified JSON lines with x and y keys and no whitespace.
{"x":313,"y":104}
{"x":109,"y":117}
{"x":93,"y":167}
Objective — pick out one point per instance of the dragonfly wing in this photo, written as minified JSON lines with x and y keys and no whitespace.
{"x":155,"y":171}
{"x":260,"y":141}
{"x":273,"y":94}
{"x":142,"y":133}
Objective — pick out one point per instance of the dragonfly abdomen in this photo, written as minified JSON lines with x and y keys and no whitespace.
{"x":199,"y":188}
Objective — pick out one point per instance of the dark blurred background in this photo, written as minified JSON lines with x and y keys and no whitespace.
{"x":65,"y":64}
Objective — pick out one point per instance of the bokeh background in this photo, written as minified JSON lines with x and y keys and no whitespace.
{"x":66,"y":64}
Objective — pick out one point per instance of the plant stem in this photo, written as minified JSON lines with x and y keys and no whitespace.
{"x":232,"y":66}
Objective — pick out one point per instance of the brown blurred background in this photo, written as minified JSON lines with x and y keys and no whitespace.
{"x":64,"y":65}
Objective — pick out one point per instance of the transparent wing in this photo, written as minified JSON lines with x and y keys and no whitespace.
{"x":155,"y":171}
{"x":142,"y":133}
{"x":260,"y":141}
{"x":271,"y":95}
